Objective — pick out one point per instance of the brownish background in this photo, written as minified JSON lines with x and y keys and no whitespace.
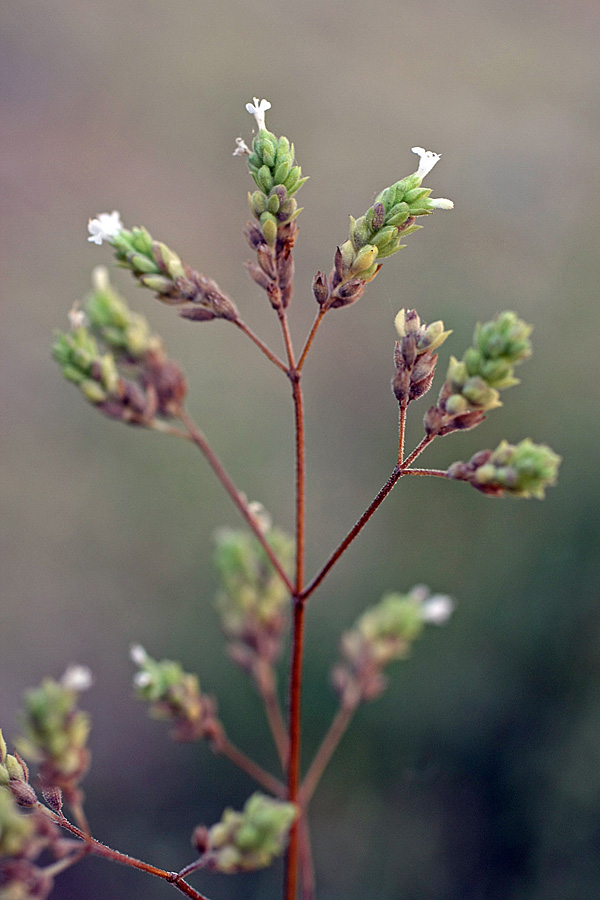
{"x":476,"y":776}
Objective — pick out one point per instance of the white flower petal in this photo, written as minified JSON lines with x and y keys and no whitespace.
{"x":437,"y":609}
{"x":142,"y":679}
{"x":137,"y":654}
{"x":105,"y":227}
{"x":441,"y":203}
{"x":258,"y":110}
{"x":428,"y":160}
{"x":77,"y":678}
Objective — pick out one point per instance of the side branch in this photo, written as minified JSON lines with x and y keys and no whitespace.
{"x":260,"y":344}
{"x":99,"y":849}
{"x":240,"y":501}
{"x":398,"y":472}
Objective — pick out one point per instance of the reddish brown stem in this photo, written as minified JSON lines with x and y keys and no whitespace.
{"x":240,"y":501}
{"x":287,"y":338}
{"x":260,"y":344}
{"x":398,"y":472}
{"x":325,"y":752}
{"x":401,"y":430}
{"x":307,"y":873}
{"x":247,"y":765}
{"x":266,"y":688}
{"x":98,"y":849}
{"x":291,"y":883}
{"x":310,"y":338}
{"x":300,"y":475}
{"x":441,"y":473}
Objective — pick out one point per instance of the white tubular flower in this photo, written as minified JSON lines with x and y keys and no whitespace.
{"x":437,"y":609}
{"x":441,"y":203}
{"x":137,"y":654}
{"x":142,"y":679}
{"x":258,"y":110}
{"x":428,"y":160}
{"x":77,"y":678}
{"x":77,"y":317}
{"x":105,"y":227}
{"x":242,"y":148}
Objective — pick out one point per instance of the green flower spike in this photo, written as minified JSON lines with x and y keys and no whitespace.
{"x":274,"y":207}
{"x":56,"y":731}
{"x":157,"y":267}
{"x":253,"y":601}
{"x":414,"y":355}
{"x":174,"y":696}
{"x":382,"y":634}
{"x":522,"y":470}
{"x":247,"y":840}
{"x":378,"y":234}
{"x":473,"y":384}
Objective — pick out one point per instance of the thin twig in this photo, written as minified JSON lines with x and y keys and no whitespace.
{"x":440,"y":473}
{"x":417,"y":451}
{"x":265,"y":684}
{"x":291,"y":875}
{"x":251,"y":768}
{"x":401,"y":430}
{"x":331,"y":740}
{"x":307,"y":872}
{"x":260,"y":344}
{"x":240,"y":501}
{"x":99,"y":849}
{"x":310,"y":338}
{"x":287,"y":338}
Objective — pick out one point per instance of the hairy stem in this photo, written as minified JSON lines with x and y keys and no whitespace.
{"x":240,"y":501}
{"x":401,"y":430}
{"x":247,"y":765}
{"x":99,"y":849}
{"x":291,"y":879}
{"x":260,"y":344}
{"x":310,"y":338}
{"x":325,"y":752}
{"x":398,"y":472}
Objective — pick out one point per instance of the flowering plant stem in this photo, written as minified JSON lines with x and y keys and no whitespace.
{"x":134,"y":381}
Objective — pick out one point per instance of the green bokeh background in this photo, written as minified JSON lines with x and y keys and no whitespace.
{"x":477,"y":775}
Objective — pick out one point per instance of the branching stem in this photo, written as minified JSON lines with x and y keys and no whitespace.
{"x":99,"y":849}
{"x":310,"y":338}
{"x":260,"y":344}
{"x":240,"y":501}
{"x":247,"y":765}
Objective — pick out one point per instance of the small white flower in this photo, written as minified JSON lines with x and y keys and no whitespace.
{"x":428,"y":160}
{"x":441,"y":203}
{"x":77,"y":318}
{"x":242,"y":149}
{"x":137,"y":654}
{"x":258,"y":110}
{"x":437,"y":609}
{"x":260,"y":515}
{"x":77,"y":678}
{"x":105,"y":227}
{"x":142,"y":679}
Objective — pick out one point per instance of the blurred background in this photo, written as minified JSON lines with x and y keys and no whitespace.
{"x":477,"y":774}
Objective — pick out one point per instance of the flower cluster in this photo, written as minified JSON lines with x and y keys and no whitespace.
{"x":56,"y":731}
{"x":253,"y":601}
{"x":157,"y":267}
{"x":522,"y":470}
{"x":414,"y":355}
{"x":272,"y":166}
{"x":134,"y":380}
{"x":378,"y":234}
{"x":473,"y":384}
{"x":175,"y":696}
{"x":382,"y":634}
{"x":247,"y":840}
